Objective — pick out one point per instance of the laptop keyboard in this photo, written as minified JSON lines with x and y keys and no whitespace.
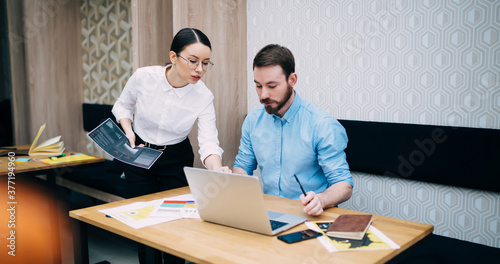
{"x":276,"y":224}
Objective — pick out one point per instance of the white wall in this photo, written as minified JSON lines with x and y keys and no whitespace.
{"x":420,"y":62}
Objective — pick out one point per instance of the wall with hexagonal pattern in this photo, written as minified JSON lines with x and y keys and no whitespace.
{"x":106,"y":53}
{"x":107,"y":49}
{"x":420,"y":62}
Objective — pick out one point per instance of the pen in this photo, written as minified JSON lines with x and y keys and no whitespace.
{"x":297,"y":179}
{"x":56,"y":157}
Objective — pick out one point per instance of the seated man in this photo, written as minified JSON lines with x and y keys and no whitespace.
{"x":289,"y":136}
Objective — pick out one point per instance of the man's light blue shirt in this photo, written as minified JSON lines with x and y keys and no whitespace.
{"x":307,"y":142}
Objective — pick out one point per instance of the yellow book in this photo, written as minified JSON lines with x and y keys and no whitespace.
{"x":53,"y":146}
{"x":68,"y":158}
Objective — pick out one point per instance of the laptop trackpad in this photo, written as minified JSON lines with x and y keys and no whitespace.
{"x":274,"y":215}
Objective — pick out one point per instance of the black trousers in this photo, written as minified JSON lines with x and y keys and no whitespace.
{"x":165,"y":174}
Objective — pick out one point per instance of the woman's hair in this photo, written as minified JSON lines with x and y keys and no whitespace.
{"x":274,"y":54}
{"x":188,"y":36}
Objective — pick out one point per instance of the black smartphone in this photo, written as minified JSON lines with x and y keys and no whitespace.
{"x":299,"y":236}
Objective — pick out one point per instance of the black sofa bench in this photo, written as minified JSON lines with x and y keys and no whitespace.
{"x":106,"y":182}
{"x":445,"y":250}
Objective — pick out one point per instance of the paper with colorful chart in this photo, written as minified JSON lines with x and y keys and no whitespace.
{"x":138,"y":215}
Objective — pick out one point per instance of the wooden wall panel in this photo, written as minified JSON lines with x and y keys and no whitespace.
{"x":152,"y":32}
{"x":224,"y":22}
{"x":54,"y":69}
{"x":20,"y":97}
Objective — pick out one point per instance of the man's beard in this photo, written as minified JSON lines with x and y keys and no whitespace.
{"x":274,"y":110}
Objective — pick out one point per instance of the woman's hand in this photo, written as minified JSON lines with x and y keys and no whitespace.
{"x":213,"y":162}
{"x":225,"y":169}
{"x":129,"y":132}
{"x":131,"y":139}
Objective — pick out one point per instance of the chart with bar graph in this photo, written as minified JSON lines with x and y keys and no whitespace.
{"x":176,"y":208}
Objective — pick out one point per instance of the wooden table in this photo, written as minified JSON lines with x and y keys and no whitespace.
{"x":52,"y":172}
{"x":41,"y":168}
{"x":203,"y":242}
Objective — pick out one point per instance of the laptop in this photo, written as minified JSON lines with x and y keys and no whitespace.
{"x":237,"y":201}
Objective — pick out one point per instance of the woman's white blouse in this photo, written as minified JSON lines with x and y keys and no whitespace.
{"x":163,"y":115}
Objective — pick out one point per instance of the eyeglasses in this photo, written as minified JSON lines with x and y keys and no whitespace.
{"x":193,"y":64}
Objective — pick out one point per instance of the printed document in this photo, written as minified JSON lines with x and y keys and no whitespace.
{"x":110,"y":138}
{"x":138,"y":215}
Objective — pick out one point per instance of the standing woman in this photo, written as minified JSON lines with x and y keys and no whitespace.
{"x":158,"y":108}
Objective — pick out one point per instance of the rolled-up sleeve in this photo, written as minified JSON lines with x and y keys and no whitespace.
{"x":331,"y":143}
{"x":246,"y":157}
{"x":207,"y":133}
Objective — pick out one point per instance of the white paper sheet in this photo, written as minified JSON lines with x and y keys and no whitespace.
{"x":136,"y":215}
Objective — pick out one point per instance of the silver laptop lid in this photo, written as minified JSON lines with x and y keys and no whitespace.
{"x":229,"y":199}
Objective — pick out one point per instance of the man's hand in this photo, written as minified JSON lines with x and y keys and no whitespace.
{"x":239,"y":170}
{"x":312,"y":203}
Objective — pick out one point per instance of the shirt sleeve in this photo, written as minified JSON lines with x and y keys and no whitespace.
{"x":207,"y":133}
{"x":331,"y":142}
{"x":124,"y":107}
{"x":246,"y":157}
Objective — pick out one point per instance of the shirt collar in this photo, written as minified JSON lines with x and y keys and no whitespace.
{"x":294,"y":108}
{"x":180,"y":92}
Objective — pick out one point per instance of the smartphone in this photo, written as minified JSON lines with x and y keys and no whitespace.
{"x":299,"y":236}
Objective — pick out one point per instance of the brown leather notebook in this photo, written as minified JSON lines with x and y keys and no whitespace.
{"x":350,"y":226}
